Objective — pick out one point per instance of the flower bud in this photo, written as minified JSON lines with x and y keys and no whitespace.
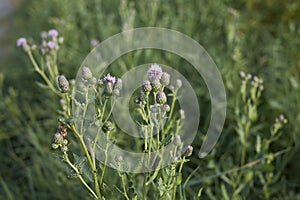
{"x":58,"y":138}
{"x":187,"y":151}
{"x":54,"y":146}
{"x":161,"y":98}
{"x":63,"y":83}
{"x":108,"y":89}
{"x":118,"y":84}
{"x":156,"y":85}
{"x":147,"y":86}
{"x":182,"y":114}
{"x":107,"y":127}
{"x":154,"y":73}
{"x":64,"y":148}
{"x":166,"y":108}
{"x":65,"y":142}
{"x":242,"y":74}
{"x":177,"y":140}
{"x":116,"y":92}
{"x":165,"y":79}
{"x":174,"y":159}
{"x":178,"y":83}
{"x":86,"y":73}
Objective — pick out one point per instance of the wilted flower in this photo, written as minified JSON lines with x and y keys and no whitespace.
{"x":52,"y":33}
{"x":154,"y":73}
{"x":86,"y":73}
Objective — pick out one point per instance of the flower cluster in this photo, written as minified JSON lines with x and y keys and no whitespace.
{"x":59,"y":140}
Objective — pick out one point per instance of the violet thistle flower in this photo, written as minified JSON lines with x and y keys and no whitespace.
{"x":165,"y":79}
{"x":94,"y":42}
{"x":109,"y":78}
{"x":161,"y":98}
{"x":22,"y":42}
{"x":154,"y":72}
{"x":51,"y":44}
{"x":86,"y":73}
{"x":53,"y":33}
{"x":63,"y":83}
{"x":43,"y":34}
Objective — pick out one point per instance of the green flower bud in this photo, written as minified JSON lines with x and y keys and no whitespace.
{"x":177,"y":140}
{"x":156,"y":85}
{"x":178,"y":83}
{"x":86,"y":73}
{"x":63,"y":83}
{"x":54,"y":146}
{"x":64,"y":148}
{"x":161,"y":98}
{"x":166,"y":108}
{"x":108,"y":89}
{"x":118,"y":84}
{"x":147,"y":86}
{"x":65,"y":142}
{"x":165,"y":79}
{"x":187,"y":151}
{"x":58,"y":138}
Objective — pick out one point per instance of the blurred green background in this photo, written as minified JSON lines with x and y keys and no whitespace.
{"x":259,"y":37}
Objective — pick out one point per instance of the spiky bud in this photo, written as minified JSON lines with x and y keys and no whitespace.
{"x":165,"y":79}
{"x":166,"y":108}
{"x":108,"y":89}
{"x":86,"y":73}
{"x":161,"y":98}
{"x":178,"y":83}
{"x":187,"y":151}
{"x":118,"y":84}
{"x":177,"y":140}
{"x":146,"y":86}
{"x":63,"y":83}
{"x":156,"y":85}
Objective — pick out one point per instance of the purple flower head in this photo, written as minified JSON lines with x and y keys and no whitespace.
{"x":44,"y":34}
{"x":21,"y":41}
{"x":51,"y":44}
{"x":94,"y":42}
{"x":109,"y":78}
{"x":154,"y":72}
{"x":52,"y":33}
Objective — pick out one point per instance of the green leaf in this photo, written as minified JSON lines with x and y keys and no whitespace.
{"x":265,"y":167}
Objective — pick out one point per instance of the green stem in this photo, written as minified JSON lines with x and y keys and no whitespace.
{"x":66,"y":159}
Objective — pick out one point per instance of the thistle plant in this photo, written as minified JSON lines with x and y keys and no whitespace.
{"x":159,"y":118}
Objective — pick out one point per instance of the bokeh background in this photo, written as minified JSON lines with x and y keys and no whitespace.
{"x":258,"y":37}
